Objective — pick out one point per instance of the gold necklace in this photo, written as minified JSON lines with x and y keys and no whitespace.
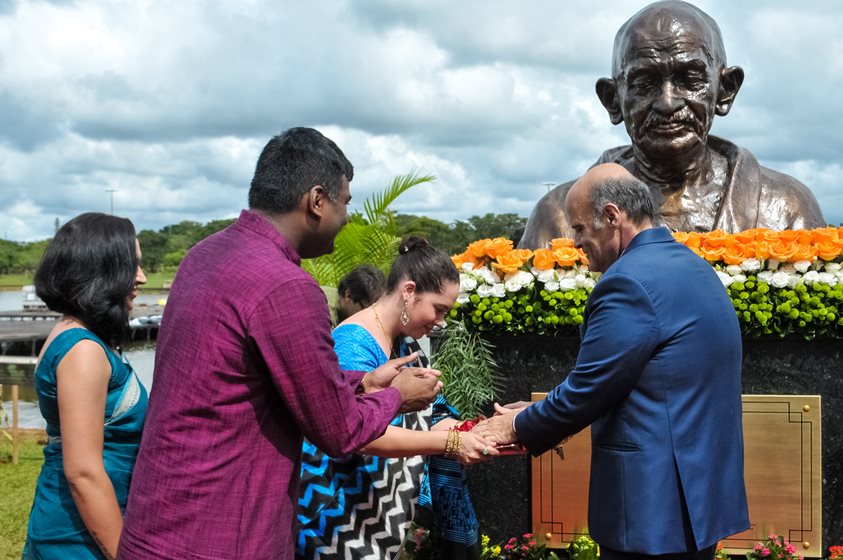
{"x":383,"y":330}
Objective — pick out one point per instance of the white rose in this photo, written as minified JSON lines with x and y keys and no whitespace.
{"x":488,"y":276}
{"x":544,"y":276}
{"x":827,"y":278}
{"x":724,"y":278}
{"x":551,"y":285}
{"x":751,"y":265}
{"x":467,"y":283}
{"x":779,"y":279}
{"x":765,"y":276}
{"x":467,"y":266}
{"x":811,"y":276}
{"x":589,"y":283}
{"x":739,"y":277}
{"x":463,"y":298}
{"x":521,"y":278}
{"x":832,"y":267}
{"x":567,"y":284}
{"x":484,"y":290}
{"x":499,"y":290}
{"x":802,"y":266}
{"x":733,"y":270}
{"x":580,"y":280}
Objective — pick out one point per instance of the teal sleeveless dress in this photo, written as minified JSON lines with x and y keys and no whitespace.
{"x":55,"y":528}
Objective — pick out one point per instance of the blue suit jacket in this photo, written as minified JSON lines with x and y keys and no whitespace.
{"x":658,"y":377}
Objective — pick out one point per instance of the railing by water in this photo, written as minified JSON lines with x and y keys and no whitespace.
{"x":13,"y":366}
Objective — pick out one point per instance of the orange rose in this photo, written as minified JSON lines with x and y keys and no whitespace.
{"x":716,"y":238}
{"x":693,"y":240}
{"x":804,"y":236}
{"x":498,"y":246}
{"x":769,"y":236}
{"x":761,"y":249}
{"x":823,"y":235}
{"x":567,"y":256}
{"x":789,"y":235}
{"x":735,"y":254}
{"x":511,"y":261}
{"x":543,"y":259}
{"x":828,"y":251}
{"x":681,"y":236}
{"x":561,"y":243}
{"x":804,"y":253}
{"x":782,"y":250}
{"x":467,"y":257}
{"x":746,"y":237}
{"x":478,"y":248}
{"x":712,"y":254}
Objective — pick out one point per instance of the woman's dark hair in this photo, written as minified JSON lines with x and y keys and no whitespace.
{"x":88,"y":270}
{"x":422,"y":263}
{"x":364,"y":285}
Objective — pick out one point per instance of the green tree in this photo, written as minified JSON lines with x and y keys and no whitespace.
{"x":496,"y":225}
{"x":154,"y":247}
{"x":9,"y":256}
{"x":369,"y":237}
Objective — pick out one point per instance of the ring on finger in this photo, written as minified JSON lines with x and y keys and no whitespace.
{"x":485,"y":451}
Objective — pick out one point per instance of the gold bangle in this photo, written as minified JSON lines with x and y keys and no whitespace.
{"x":452,"y":443}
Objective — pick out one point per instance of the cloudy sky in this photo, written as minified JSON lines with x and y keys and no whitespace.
{"x":162,"y":107}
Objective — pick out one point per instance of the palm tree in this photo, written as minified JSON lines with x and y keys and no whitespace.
{"x":369,"y":237}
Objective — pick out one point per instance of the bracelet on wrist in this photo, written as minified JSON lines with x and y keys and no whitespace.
{"x":452,"y":443}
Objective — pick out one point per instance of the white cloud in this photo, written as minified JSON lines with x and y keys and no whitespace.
{"x":169,"y":104}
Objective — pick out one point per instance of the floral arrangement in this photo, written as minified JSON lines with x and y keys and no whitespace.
{"x":524,"y":547}
{"x":835,"y":553}
{"x":583,"y":548}
{"x":780,"y":282}
{"x":776,"y":547}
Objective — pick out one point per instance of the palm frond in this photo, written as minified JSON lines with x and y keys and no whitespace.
{"x":376,"y":207}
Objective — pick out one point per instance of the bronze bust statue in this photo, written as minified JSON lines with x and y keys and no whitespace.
{"x":669,"y":80}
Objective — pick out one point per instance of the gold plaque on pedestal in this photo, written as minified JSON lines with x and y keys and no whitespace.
{"x":782,"y":470}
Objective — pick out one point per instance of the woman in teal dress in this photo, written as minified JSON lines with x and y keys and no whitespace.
{"x":89,"y":395}
{"x":360,"y":507}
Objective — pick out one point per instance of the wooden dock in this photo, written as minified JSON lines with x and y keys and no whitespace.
{"x":22,"y":333}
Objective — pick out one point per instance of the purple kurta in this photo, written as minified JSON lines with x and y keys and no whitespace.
{"x":244,"y":367}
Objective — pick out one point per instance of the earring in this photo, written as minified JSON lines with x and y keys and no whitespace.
{"x":405,"y":317}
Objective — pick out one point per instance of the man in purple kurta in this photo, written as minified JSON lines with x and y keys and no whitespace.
{"x":245,"y":366}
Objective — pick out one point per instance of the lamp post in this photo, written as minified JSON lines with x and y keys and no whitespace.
{"x":549,"y":184}
{"x":111,"y":192}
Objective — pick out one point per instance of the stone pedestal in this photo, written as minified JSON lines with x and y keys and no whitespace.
{"x":501,"y":489}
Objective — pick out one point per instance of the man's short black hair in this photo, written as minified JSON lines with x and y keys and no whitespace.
{"x":291,"y":164}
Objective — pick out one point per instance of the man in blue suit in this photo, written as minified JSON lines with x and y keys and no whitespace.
{"x":658,"y":378}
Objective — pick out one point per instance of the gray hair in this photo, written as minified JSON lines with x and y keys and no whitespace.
{"x":629,"y":194}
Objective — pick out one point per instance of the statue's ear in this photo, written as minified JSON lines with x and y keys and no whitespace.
{"x":730,"y":82}
{"x":607,"y":91}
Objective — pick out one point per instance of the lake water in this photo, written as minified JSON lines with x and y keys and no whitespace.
{"x":140,"y":355}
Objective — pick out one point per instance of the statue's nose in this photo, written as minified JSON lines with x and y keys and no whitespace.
{"x":669,"y":100}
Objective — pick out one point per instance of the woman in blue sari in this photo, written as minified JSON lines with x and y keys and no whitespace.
{"x":360,"y":506}
{"x":91,"y":398}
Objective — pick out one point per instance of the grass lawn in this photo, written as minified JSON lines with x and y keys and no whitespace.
{"x":15,"y":280}
{"x":156,"y":280}
{"x":17,"y":489}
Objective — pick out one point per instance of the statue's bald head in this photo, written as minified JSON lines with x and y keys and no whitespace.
{"x":667,"y":22}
